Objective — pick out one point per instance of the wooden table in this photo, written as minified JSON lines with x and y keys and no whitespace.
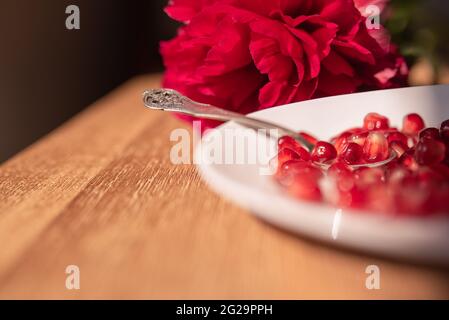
{"x":101,"y":193}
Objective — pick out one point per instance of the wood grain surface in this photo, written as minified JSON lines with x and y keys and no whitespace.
{"x":100,"y":193}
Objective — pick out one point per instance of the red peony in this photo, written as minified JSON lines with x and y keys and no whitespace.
{"x":246,"y":55}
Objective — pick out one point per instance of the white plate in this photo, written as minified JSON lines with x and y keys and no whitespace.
{"x":424,"y":239}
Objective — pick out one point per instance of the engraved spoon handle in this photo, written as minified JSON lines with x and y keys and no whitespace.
{"x":171,"y":100}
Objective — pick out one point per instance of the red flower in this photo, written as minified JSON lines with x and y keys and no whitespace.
{"x":246,"y":55}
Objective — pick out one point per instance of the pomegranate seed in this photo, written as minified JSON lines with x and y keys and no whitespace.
{"x":430,"y":176}
{"x":289,"y":169}
{"x":429,"y":133}
{"x":309,"y":137}
{"x":303,"y":180}
{"x":353,"y":153}
{"x":408,"y":160}
{"x":410,"y":195}
{"x":305,"y":187}
{"x":444,"y":130}
{"x":416,"y":182}
{"x":401,"y":176}
{"x":342,"y":183}
{"x":375,"y":121}
{"x":369,"y":176}
{"x":412,"y":124}
{"x":398,"y":147}
{"x":286,"y":154}
{"x":379,"y":198}
{"x":359,"y":138}
{"x":295,"y":167}
{"x":429,"y":152}
{"x":375,"y":147}
{"x":355,"y":198}
{"x":395,"y":172}
{"x":342,"y":174}
{"x":323,"y":152}
{"x":345,"y":182}
{"x":290,"y":143}
{"x":397,"y":136}
{"x":337,"y":168}
{"x":442,"y":169}
{"x":341,"y":141}
{"x":438,"y":199}
{"x":287,"y":141}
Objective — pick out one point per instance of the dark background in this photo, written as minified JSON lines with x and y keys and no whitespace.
{"x":49,"y":73}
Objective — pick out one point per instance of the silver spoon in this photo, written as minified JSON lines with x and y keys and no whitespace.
{"x":172,"y":100}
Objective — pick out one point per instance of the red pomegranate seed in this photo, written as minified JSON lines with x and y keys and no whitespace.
{"x":341,"y":141}
{"x":345,"y":181}
{"x":375,"y":121}
{"x":355,"y":198}
{"x":324,"y":152}
{"x":395,"y":172}
{"x":379,"y":199}
{"x":302,"y":180}
{"x":397,"y":136}
{"x":442,"y":169}
{"x":438,"y":199}
{"x":412,"y":124}
{"x":369,"y":176}
{"x":286,"y":154}
{"x":359,"y":138}
{"x":429,"y":175}
{"x":309,"y":137}
{"x":287,"y":141}
{"x":410,"y":195}
{"x":416,"y":182}
{"x":429,"y":152}
{"x":288,"y":169}
{"x":338,"y":167}
{"x":444,"y":130}
{"x":305,"y":187}
{"x":290,"y":143}
{"x":429,"y":133}
{"x":407,"y":160}
{"x":375,"y":147}
{"x":353,"y":153}
{"x":342,"y":174}
{"x":295,"y":167}
{"x":340,"y":186}
{"x":398,"y":147}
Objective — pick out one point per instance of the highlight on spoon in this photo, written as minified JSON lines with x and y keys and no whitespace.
{"x":163,"y":99}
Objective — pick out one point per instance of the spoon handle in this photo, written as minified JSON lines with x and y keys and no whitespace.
{"x":171,"y":100}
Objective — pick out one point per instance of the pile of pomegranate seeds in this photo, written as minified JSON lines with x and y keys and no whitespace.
{"x":416,"y":182}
